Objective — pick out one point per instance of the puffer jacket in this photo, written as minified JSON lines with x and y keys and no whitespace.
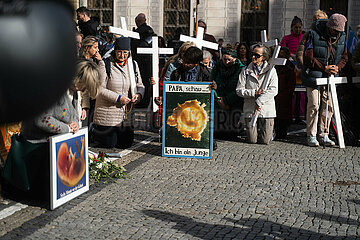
{"x":247,"y":85}
{"x":109,"y":112}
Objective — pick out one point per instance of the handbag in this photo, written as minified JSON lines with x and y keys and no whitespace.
{"x":27,"y":165}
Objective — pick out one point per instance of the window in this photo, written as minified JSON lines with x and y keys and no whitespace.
{"x":254,"y":18}
{"x":102,"y":10}
{"x":176,"y":18}
{"x":334,"y":6}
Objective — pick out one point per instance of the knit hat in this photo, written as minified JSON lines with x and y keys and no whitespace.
{"x":122,"y":43}
{"x":337,"y":22}
{"x":295,"y":21}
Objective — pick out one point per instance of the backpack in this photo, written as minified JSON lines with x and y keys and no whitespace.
{"x":108,"y":67}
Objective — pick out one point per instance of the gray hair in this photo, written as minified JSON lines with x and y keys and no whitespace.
{"x":266,"y":50}
{"x":207,"y":54}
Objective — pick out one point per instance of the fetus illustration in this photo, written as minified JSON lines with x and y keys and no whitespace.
{"x":70,"y":168}
{"x":190,"y":119}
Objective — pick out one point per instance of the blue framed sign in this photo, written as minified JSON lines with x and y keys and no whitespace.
{"x":188,"y":120}
{"x":69,"y":167}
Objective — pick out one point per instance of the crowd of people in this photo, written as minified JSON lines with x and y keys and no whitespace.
{"x":243,"y":78}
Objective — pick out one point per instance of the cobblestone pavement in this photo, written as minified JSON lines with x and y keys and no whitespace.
{"x":282,"y":191}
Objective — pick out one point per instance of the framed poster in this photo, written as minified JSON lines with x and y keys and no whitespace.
{"x":188,"y":120}
{"x":69,"y":167}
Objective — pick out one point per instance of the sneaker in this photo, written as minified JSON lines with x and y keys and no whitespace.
{"x":327,"y":141}
{"x":312,"y":142}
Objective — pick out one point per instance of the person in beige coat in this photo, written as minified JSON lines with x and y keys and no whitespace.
{"x":112,"y":118}
{"x":258,"y":97}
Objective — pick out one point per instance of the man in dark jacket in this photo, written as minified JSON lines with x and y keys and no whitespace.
{"x":144,"y":61}
{"x":326,"y":55}
{"x":87,"y":25}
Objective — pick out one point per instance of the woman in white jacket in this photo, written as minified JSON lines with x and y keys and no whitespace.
{"x":258,"y":97}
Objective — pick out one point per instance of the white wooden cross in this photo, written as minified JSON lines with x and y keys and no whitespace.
{"x":332,"y":82}
{"x":265,"y":41}
{"x":155,"y":51}
{"x":200,"y":43}
{"x":273,"y":62}
{"x":123,"y":30}
{"x":126,"y":33}
{"x":356,"y":80}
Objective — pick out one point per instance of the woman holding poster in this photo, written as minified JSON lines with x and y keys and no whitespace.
{"x":27,"y":166}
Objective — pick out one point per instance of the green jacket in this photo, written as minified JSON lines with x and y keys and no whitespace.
{"x":226,"y":80}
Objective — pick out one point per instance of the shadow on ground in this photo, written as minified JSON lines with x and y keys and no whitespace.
{"x":249,"y":228}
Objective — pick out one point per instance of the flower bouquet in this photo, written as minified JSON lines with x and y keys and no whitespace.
{"x":100,"y":166}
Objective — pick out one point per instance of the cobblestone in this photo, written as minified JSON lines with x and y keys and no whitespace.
{"x":282,"y":191}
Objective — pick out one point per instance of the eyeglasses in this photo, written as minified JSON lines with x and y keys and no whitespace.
{"x":256,"y":55}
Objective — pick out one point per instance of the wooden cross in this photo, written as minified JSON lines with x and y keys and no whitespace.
{"x":155,"y":51}
{"x":273,"y":62}
{"x":332,"y":82}
{"x":200,"y":43}
{"x":123,"y":30}
{"x":126,"y":33}
{"x":356,"y":80}
{"x":265,"y":41}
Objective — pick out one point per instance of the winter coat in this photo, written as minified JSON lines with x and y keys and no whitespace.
{"x":53,"y":121}
{"x":109,"y":112}
{"x":226,"y":79}
{"x":317,"y":57}
{"x":89,"y":28}
{"x":247,"y":85}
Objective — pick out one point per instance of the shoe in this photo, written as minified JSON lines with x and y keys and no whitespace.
{"x":312,"y":142}
{"x":327,"y":141}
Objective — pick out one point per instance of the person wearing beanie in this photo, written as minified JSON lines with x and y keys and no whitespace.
{"x":325,"y":55}
{"x":113,"y":126}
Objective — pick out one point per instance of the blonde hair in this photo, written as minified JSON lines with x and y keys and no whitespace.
{"x":319,"y":13}
{"x":87,"y":77}
{"x":177,"y":56}
{"x":86,"y":44}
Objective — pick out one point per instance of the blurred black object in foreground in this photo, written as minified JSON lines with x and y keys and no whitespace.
{"x":37,"y":56}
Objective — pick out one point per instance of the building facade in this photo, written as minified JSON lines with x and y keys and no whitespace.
{"x":232,"y":20}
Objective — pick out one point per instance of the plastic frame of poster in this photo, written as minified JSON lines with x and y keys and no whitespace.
{"x":57,"y":197}
{"x":211,"y":120}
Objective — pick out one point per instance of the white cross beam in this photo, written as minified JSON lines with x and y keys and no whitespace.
{"x":155,"y":51}
{"x":332,"y":82}
{"x":273,"y":62}
{"x":356,"y":80}
{"x":123,"y":30}
{"x":200,"y":43}
{"x":265,"y":41}
{"x":126,"y":33}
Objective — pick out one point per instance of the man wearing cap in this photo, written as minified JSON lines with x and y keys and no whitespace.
{"x":113,"y":125}
{"x":325,"y":55}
